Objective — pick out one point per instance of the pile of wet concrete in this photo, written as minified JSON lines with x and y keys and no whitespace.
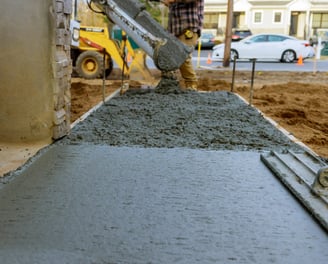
{"x":148,"y":118}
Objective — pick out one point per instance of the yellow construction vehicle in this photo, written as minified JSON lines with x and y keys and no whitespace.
{"x":97,"y":50}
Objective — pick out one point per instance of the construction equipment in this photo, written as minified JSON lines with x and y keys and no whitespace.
{"x":88,"y":57}
{"x":166,"y":50}
{"x":97,"y":50}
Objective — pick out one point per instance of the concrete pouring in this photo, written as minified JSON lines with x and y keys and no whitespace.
{"x":159,"y":178}
{"x":101,"y":204}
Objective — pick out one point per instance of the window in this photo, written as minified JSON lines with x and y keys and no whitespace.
{"x":211,"y":20}
{"x":275,"y":38}
{"x":257,"y":17}
{"x":260,"y":38}
{"x":277,"y":17}
{"x":320,"y":20}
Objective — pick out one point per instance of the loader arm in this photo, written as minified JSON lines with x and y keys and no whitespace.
{"x":167,"y":52}
{"x":98,"y":39}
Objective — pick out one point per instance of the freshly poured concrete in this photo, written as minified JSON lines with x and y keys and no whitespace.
{"x":199,"y":197}
{"x":102,"y":204}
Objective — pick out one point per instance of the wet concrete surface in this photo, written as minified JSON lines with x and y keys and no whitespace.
{"x":159,"y":178}
{"x":217,"y":120}
{"x":102,"y":204}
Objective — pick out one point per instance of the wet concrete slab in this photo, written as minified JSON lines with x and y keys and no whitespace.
{"x":100,"y":204}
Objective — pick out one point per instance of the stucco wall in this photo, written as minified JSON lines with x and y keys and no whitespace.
{"x":34,"y":70}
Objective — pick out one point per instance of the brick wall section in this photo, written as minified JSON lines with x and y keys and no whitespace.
{"x":62,"y":68}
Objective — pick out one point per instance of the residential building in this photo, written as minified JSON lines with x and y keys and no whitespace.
{"x":303,"y":19}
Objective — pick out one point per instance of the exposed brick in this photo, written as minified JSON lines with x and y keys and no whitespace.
{"x":62,"y":69}
{"x":60,"y":6}
{"x":61,"y":130}
{"x":68,"y":7}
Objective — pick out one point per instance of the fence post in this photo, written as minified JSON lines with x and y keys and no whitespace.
{"x":252,"y":82}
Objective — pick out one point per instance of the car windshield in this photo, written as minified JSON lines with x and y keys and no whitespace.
{"x":206,"y":36}
{"x":256,"y":38}
{"x":247,"y":39}
{"x":242,"y":33}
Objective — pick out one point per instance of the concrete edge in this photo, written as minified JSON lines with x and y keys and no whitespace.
{"x":93,"y":109}
{"x":313,"y":202}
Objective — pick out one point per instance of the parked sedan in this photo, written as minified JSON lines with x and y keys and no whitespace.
{"x":239,"y":34}
{"x":207,"y":41}
{"x":267,"y":47}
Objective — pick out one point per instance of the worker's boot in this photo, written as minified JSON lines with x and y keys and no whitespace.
{"x":191,"y":85}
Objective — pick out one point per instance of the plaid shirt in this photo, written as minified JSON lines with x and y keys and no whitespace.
{"x":186,"y":15}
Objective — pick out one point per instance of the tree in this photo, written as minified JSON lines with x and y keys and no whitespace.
{"x":155,"y":9}
{"x":88,"y":17}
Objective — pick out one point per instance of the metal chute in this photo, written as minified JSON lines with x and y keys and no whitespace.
{"x":166,"y":50}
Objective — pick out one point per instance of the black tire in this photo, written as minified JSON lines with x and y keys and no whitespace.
{"x":233,"y":53}
{"x":89,"y":64}
{"x":288,"y":56}
{"x":109,"y":67}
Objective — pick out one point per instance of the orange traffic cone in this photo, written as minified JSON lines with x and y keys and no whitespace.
{"x":209,"y":60}
{"x":129,"y":58}
{"x":300,"y":60}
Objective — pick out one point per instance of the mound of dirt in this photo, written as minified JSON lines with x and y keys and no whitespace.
{"x":295,"y":101}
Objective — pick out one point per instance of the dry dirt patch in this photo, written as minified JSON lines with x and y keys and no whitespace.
{"x":86,"y":94}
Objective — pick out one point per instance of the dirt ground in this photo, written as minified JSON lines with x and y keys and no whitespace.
{"x":296,"y":101}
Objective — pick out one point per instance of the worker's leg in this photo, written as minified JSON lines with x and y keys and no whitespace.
{"x":187,"y":70}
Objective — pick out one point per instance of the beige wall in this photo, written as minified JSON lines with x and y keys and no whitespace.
{"x":29,"y":69}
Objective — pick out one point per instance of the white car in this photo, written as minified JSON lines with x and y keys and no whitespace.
{"x":267,"y":47}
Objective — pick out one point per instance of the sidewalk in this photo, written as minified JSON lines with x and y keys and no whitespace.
{"x":183,"y":184}
{"x":101,"y":204}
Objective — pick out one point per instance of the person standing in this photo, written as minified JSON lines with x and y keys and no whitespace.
{"x":186,"y":22}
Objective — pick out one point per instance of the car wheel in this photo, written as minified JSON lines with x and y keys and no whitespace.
{"x":233,"y":54}
{"x":288,"y":56}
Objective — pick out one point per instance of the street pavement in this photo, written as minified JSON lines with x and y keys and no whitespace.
{"x":201,"y":62}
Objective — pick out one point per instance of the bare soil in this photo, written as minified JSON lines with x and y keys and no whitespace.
{"x":296,"y":101}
